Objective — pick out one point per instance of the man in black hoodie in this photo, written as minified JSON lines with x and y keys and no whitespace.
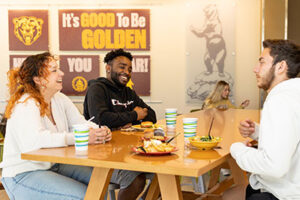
{"x":110,"y":101}
{"x":117,"y":106}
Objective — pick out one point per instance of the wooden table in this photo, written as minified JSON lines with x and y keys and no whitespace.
{"x":117,"y":154}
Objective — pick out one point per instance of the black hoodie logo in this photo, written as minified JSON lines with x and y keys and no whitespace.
{"x":116,"y":102}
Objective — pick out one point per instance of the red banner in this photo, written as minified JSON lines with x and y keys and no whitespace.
{"x":78,"y":71}
{"x":28,"y":29}
{"x":104,"y":29}
{"x":140,"y":79}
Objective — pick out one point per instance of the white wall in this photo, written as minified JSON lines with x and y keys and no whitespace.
{"x":248,"y":45}
{"x":168,"y":59}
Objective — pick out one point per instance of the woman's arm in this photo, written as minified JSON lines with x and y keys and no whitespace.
{"x":27,"y":127}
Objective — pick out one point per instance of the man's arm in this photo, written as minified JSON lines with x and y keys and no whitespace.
{"x":98,"y":105}
{"x":151,"y":116}
{"x":277,"y":144}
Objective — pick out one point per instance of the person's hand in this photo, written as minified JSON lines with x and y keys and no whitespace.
{"x":141,"y":112}
{"x":246,"y":128}
{"x":99,"y":135}
{"x":245,"y":103}
{"x":108,"y":133}
{"x":247,"y":143}
{"x":126,"y":126}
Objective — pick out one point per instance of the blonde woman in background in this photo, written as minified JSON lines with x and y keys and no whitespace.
{"x":219,"y":98}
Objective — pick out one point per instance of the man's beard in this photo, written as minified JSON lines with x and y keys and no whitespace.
{"x":116,"y":80}
{"x":268,"y":80}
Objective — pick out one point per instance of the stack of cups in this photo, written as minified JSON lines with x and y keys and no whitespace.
{"x":81,"y":132}
{"x":189,"y":128}
{"x":170,"y":114}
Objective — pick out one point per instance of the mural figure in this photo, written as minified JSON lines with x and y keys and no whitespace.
{"x":215,"y":54}
{"x":215,"y":45}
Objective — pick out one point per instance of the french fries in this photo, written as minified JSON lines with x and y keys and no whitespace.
{"x":153,"y":146}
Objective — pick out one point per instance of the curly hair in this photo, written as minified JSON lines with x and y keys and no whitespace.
{"x":285,"y":50}
{"x":20,"y":81}
{"x":116,"y":53}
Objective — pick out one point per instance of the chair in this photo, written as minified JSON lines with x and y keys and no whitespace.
{"x":111,"y":191}
{"x":2,"y":134}
{"x":3,"y":121}
{"x":112,"y":187}
{"x":197,"y":183}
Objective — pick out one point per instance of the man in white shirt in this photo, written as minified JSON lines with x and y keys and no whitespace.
{"x":275,"y":164}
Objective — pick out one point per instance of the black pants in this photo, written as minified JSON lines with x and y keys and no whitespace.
{"x":252,"y":194}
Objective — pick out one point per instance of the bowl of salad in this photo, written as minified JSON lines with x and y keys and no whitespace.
{"x":204,"y":142}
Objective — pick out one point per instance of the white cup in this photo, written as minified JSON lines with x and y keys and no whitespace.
{"x":171,"y":116}
{"x":81,"y":134}
{"x":189,"y":128}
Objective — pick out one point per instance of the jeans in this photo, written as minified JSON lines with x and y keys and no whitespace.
{"x":65,"y":182}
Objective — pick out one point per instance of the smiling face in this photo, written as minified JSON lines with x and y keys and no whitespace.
{"x":119,"y":71}
{"x":53,"y":82}
{"x":264,"y":70}
{"x":225,"y":92}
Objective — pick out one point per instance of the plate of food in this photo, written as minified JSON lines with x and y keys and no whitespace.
{"x":155,"y":137}
{"x":154,"y":147}
{"x":204,"y":142}
{"x":146,"y":125}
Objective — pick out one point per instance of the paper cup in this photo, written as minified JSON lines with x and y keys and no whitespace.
{"x":189,"y":128}
{"x":81,"y":134}
{"x":171,"y":116}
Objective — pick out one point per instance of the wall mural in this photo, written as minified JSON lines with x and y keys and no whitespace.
{"x":210,"y":47}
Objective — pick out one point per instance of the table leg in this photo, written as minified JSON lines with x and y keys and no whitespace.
{"x":214,"y":177}
{"x":98,"y":183}
{"x":239,"y":176}
{"x":169,"y":187}
{"x":153,"y":191}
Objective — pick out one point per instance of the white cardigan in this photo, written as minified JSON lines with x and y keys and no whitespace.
{"x":26,"y":131}
{"x":275,"y":165}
